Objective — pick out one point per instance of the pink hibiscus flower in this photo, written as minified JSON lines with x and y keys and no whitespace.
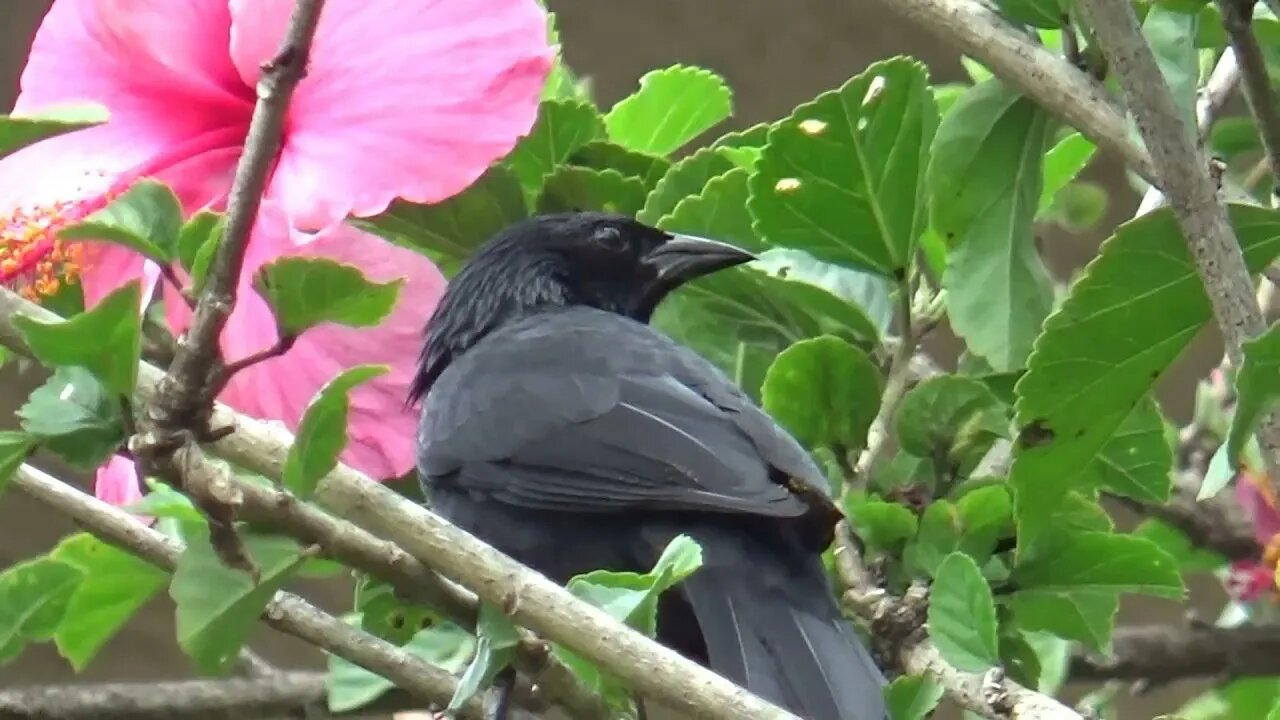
{"x":411,"y":100}
{"x":1249,"y":580}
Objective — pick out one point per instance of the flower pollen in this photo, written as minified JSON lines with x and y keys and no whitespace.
{"x":34,"y":260}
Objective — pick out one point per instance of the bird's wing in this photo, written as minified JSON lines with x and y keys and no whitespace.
{"x":586,"y":419}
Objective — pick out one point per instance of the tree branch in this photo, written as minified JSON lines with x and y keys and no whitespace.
{"x":530,"y":599}
{"x":286,"y":612}
{"x":1236,"y":18}
{"x":897,"y":628}
{"x":282,"y":694}
{"x":1209,"y":102}
{"x":186,"y":390}
{"x":356,"y":547}
{"x":1161,"y":654}
{"x":1051,"y":81}
{"x":1193,"y":194}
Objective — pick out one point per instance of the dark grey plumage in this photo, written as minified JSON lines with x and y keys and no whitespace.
{"x":565,"y":431}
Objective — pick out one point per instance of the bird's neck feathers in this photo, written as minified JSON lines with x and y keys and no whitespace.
{"x":477,"y":303}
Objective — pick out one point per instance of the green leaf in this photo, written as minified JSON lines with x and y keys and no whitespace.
{"x":1171,"y":35}
{"x":883,"y":526}
{"x":1257,"y":387}
{"x":1178,"y":546}
{"x":633,"y":599}
{"x":562,"y":127}
{"x":14,"y":449}
{"x":322,"y":433}
{"x":986,"y":515}
{"x":912,"y":697}
{"x":962,"y":615}
{"x":386,"y":615}
{"x":351,"y":687}
{"x":843,"y":176}
{"x":1085,"y":617}
{"x":939,"y":537}
{"x":869,"y":293}
{"x":218,"y":606}
{"x":950,"y":419}
{"x":146,"y":218}
{"x":114,"y":587}
{"x":1037,"y":13}
{"x":673,"y":106}
{"x":741,"y":318}
{"x":497,"y":638}
{"x":73,"y":416}
{"x":19,"y":131}
{"x":825,"y":392}
{"x":162,"y":501}
{"x":1131,"y":313}
{"x":449,"y":231}
{"x":578,"y":188}
{"x":33,"y":600}
{"x":1101,"y":562}
{"x":1077,"y":207}
{"x":197,"y":241}
{"x":1062,"y":164}
{"x":686,"y":178}
{"x":600,"y":155}
{"x":106,"y":341}
{"x":307,"y":291}
{"x":717,"y":212}
{"x":986,"y":178}
{"x":1137,"y":461}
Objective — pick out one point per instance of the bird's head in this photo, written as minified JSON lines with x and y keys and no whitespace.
{"x":610,"y":262}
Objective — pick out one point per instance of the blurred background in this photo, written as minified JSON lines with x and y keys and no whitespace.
{"x":775,"y":55}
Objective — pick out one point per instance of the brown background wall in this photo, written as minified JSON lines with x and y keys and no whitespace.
{"x":775,"y":55}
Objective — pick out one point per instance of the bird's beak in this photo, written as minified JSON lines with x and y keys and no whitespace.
{"x":685,"y":257}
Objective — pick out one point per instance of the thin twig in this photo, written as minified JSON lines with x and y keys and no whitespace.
{"x":1236,"y":18}
{"x":977,"y":30}
{"x":287,"y":613}
{"x":282,"y":345}
{"x":895,"y":387}
{"x":1193,"y":194}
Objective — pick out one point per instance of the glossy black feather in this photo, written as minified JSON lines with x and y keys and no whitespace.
{"x":565,"y":431}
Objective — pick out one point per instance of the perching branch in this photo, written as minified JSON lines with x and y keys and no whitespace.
{"x":1062,"y":89}
{"x":1193,"y":194}
{"x":897,"y":628}
{"x":1236,"y":18}
{"x":287,"y":613}
{"x":360,"y":549}
{"x":283,"y":694}
{"x":529,"y":598}
{"x":1161,"y":654}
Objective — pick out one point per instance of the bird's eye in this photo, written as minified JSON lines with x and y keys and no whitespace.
{"x":609,"y":238}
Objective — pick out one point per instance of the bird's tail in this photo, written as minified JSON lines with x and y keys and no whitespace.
{"x":770,"y":623}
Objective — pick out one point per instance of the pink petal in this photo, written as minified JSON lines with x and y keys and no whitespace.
{"x":117,"y":483}
{"x":381,"y":430}
{"x":1258,"y":507}
{"x":161,"y":67}
{"x":1248,"y":581}
{"x":401,"y":99}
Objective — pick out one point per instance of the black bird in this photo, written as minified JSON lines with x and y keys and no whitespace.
{"x":561,"y":428}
